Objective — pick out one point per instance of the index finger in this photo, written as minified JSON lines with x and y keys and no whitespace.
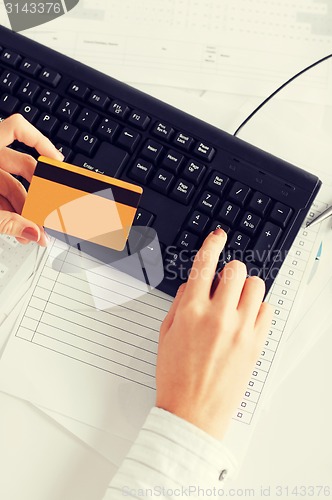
{"x":204,"y":267}
{"x":16,"y":127}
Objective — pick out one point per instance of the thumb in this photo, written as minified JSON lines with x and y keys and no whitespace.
{"x":15,"y":225}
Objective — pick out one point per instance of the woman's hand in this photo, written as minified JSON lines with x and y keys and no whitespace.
{"x":12,"y":192}
{"x":210,"y":340}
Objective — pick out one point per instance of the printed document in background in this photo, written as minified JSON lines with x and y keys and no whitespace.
{"x":195,"y":44}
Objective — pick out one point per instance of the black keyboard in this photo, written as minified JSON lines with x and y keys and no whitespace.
{"x":195,"y":177}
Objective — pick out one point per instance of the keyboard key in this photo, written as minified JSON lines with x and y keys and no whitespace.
{"x":98,"y":99}
{"x":109,"y":160}
{"x":28,"y":91}
{"x":66,"y":110}
{"x":87,"y":143}
{"x":182,"y":191}
{"x":163,"y":131}
{"x":46,"y":124}
{"x":8,"y":81}
{"x":65,"y":150}
{"x":87,"y":119}
{"x":183,"y":141}
{"x":67,"y":133}
{"x":208,"y":203}
{"x":172,"y":161}
{"x":139,"y":119}
{"x":8,"y":104}
{"x":239,"y":193}
{"x":29,"y":112}
{"x":217,"y":182}
{"x":266,"y":242}
{"x":229,"y":213}
{"x":128,"y":139}
{"x":50,"y":77}
{"x":217,"y":225}
{"x":203,"y":150}
{"x":47,"y":99}
{"x":107,"y":129}
{"x":143,"y":218}
{"x":10,"y":58}
{"x":259,"y":203}
{"x":187,"y":241}
{"x":249,"y":223}
{"x":239,"y":241}
{"x":281,"y":214}
{"x":194,"y":171}
{"x":197,"y":222}
{"x":119,"y":109}
{"x":162,"y":181}
{"x":79,"y":90}
{"x":141,"y":171}
{"x":152,"y":151}
{"x":30,"y":67}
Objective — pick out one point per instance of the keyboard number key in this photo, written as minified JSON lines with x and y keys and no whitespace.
{"x":239,"y":241}
{"x":187,"y":241}
{"x":208,"y":202}
{"x":249,"y":223}
{"x":197,"y":222}
{"x":229,"y":213}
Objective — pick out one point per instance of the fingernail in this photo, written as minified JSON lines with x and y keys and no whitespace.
{"x":218,"y":231}
{"x":61,"y":156}
{"x":30,"y":233}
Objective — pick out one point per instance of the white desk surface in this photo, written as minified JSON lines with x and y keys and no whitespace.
{"x":291,"y":447}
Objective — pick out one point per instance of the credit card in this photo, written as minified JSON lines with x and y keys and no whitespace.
{"x":81,"y":204}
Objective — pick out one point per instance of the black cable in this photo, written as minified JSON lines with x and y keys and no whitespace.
{"x":278,"y":90}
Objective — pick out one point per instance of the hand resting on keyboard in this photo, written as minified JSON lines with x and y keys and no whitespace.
{"x":12,"y":192}
{"x":210,"y":340}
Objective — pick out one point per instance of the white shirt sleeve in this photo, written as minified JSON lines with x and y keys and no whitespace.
{"x":171,"y":458}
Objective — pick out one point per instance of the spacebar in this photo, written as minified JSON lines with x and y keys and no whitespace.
{"x":108,"y":160}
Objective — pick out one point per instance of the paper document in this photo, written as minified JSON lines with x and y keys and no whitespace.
{"x":241,"y":47}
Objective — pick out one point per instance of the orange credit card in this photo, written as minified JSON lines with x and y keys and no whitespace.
{"x":82,"y":204}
